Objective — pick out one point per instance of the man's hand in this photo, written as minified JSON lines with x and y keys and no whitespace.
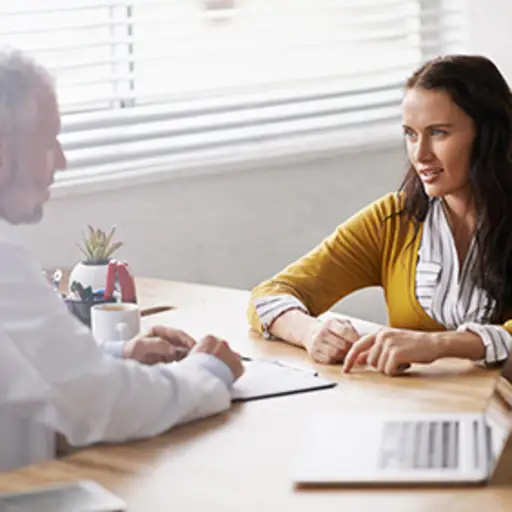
{"x":330,"y":340}
{"x":220,"y":349}
{"x":391,"y":351}
{"x":160,"y":345}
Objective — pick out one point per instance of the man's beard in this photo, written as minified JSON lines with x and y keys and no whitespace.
{"x":32,"y":216}
{"x":14,"y":206}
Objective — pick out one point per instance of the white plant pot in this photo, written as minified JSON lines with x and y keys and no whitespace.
{"x":94,"y":276}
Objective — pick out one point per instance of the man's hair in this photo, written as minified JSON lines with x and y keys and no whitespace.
{"x":21,"y":78}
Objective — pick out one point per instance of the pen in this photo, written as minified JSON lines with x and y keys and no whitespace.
{"x":154,"y":310}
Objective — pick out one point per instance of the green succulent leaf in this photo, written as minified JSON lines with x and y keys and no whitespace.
{"x":111,"y":235}
{"x":97,"y":245}
{"x":113,"y":248}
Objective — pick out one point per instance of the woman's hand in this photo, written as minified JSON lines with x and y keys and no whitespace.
{"x":391,"y":351}
{"x":330,"y":340}
{"x":159,"y":345}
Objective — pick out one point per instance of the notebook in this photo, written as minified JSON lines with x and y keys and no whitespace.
{"x":267,"y":379}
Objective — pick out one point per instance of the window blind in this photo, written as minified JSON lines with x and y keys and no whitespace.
{"x":143,"y":82}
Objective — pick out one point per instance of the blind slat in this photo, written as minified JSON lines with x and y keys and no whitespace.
{"x":240,"y":100}
{"x":254,"y":133}
{"x":169,"y":127}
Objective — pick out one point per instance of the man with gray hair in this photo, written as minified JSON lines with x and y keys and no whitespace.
{"x":53,"y":375}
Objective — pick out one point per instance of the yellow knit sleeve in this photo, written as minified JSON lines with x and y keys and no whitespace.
{"x":348,"y":260}
{"x":508,"y":326}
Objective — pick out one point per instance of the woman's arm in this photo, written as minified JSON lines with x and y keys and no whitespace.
{"x":495,"y":340}
{"x":350,"y":259}
{"x":462,"y":344}
{"x":327,"y":341}
{"x":392,"y":350}
{"x":295,"y":327}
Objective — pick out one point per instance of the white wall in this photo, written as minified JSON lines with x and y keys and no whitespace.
{"x":231,"y":229}
{"x":490,"y":32}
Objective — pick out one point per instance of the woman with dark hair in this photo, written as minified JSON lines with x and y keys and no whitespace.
{"x":441,"y":248}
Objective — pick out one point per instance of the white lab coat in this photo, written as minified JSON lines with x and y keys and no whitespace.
{"x":54,"y":377}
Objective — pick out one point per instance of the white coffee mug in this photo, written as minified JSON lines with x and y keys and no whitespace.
{"x":118,"y":321}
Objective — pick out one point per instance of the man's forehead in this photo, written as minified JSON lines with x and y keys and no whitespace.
{"x":47,"y":108}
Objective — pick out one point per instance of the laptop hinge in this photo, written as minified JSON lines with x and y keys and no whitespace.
{"x":502,"y":474}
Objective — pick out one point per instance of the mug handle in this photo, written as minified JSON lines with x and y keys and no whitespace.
{"x":123,"y":331}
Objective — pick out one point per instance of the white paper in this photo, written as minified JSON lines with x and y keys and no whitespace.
{"x":263,"y":379}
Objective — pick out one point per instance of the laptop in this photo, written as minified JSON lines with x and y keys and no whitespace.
{"x":405,"y":448}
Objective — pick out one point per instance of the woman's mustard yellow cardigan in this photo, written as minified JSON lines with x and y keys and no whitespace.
{"x":375,"y":247}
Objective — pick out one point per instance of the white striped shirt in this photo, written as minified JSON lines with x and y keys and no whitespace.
{"x":448,"y":294}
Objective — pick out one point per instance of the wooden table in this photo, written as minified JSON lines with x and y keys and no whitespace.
{"x":241,"y":460}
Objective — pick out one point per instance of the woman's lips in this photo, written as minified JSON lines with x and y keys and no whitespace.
{"x":430,"y":175}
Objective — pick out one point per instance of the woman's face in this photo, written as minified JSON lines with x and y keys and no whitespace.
{"x":439,"y":138}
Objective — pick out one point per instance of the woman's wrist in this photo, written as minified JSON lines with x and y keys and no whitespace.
{"x":465,"y":345}
{"x":294,"y":326}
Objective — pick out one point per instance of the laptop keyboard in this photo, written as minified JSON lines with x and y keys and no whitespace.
{"x":420,"y":445}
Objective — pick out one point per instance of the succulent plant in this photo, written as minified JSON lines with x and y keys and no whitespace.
{"x":98,"y":246}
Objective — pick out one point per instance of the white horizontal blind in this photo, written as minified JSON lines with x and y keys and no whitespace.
{"x":143,"y":82}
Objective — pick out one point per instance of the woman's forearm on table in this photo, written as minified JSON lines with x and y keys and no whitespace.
{"x":293,"y":326}
{"x":465,"y":345}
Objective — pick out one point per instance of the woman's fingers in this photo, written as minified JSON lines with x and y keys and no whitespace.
{"x":358,"y":348}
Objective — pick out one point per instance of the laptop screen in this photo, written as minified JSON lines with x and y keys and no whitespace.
{"x":498,"y":413}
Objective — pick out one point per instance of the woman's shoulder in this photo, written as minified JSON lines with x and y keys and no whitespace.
{"x":386,"y":207}
{"x":387,"y":217}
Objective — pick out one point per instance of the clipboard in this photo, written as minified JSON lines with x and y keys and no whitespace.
{"x":269,"y":379}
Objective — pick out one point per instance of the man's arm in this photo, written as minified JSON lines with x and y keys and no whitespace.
{"x":52,"y":370}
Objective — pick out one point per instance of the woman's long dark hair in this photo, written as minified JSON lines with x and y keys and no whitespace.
{"x":477,"y":87}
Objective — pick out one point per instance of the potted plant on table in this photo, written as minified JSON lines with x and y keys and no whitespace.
{"x":97,"y":248}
